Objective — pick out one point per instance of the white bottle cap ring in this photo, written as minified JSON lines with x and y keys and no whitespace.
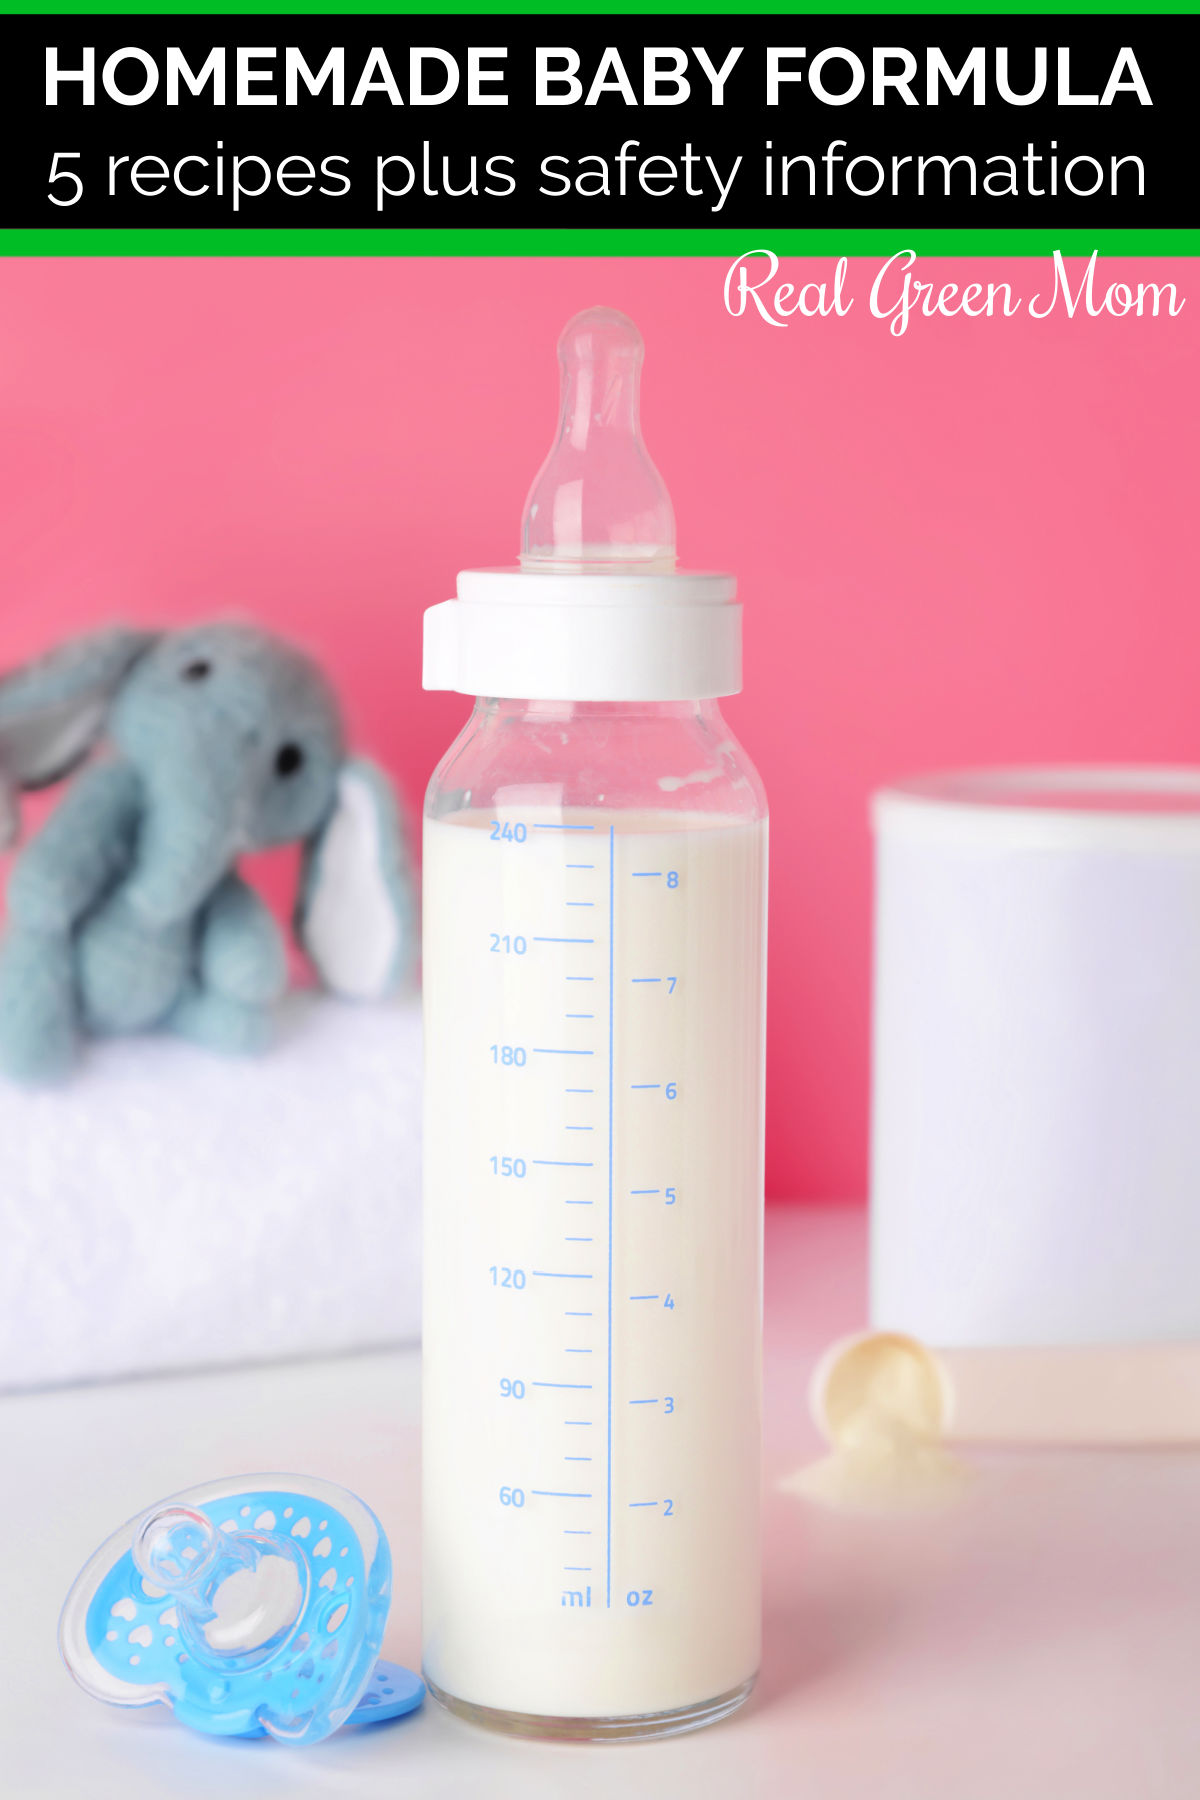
{"x":515,"y":635}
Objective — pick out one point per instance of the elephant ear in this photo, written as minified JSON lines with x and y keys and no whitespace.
{"x":54,"y":710}
{"x":357,"y":913}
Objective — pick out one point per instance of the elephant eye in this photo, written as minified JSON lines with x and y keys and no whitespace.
{"x":288,"y":760}
{"x":197,"y":671}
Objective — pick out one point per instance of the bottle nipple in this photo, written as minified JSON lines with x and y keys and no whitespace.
{"x":598,"y":505}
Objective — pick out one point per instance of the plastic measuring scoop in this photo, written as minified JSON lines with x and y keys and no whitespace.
{"x":884,"y":1405}
{"x":253,"y":1606}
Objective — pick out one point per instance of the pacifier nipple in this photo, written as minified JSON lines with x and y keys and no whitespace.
{"x":598,"y":505}
{"x":241,"y":1590}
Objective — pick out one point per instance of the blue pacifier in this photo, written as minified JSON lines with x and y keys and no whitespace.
{"x":250,"y":1606}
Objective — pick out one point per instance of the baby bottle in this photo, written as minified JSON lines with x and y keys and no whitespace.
{"x":594,"y":956}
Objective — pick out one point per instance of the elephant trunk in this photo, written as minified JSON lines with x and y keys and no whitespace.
{"x":192,"y":830}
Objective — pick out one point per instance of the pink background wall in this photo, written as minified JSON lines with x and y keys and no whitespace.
{"x":975,"y":543}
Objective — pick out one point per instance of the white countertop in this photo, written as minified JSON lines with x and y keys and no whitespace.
{"x":1039,"y":1642}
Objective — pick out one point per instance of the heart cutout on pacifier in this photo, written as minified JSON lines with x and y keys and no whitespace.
{"x":254,"y":1606}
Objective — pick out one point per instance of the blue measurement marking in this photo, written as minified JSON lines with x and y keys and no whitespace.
{"x":561,"y":1384}
{"x":547,"y":1162}
{"x":636,"y":1502}
{"x":581,"y":903}
{"x":577,"y":1568}
{"x":581,"y":1128}
{"x":564,"y":827}
{"x":640,"y":980}
{"x":586,"y":1422}
{"x":559,"y":1275}
{"x":643,"y":1296}
{"x":643,"y":874}
{"x":579,"y":1203}
{"x":577,"y":1459}
{"x":581,"y":866}
{"x":563,"y":940}
{"x":579,"y":1090}
{"x":579,"y":1015}
{"x":581,"y":978}
{"x":578,"y":1240}
{"x":645,"y":1190}
{"x":643,"y":1403}
{"x":554,"y":1494}
{"x":574,"y":1531}
{"x":645,"y":1084}
{"x":608,"y":1456}
{"x":574,"y":1350}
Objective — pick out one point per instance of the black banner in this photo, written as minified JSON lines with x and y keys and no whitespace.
{"x":746,"y":122}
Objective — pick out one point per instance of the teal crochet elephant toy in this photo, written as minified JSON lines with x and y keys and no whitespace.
{"x":127,"y":912}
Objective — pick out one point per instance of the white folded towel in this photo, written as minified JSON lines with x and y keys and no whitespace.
{"x":169,"y":1208}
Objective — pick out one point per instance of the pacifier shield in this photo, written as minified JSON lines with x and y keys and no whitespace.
{"x":248,"y":1605}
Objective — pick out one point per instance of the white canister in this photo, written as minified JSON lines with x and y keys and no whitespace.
{"x":1036,"y":1104}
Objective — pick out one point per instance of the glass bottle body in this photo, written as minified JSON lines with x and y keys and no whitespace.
{"x":595,"y":879}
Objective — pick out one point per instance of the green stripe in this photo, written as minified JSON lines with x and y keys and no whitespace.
{"x":722,"y":243}
{"x":537,"y":8}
